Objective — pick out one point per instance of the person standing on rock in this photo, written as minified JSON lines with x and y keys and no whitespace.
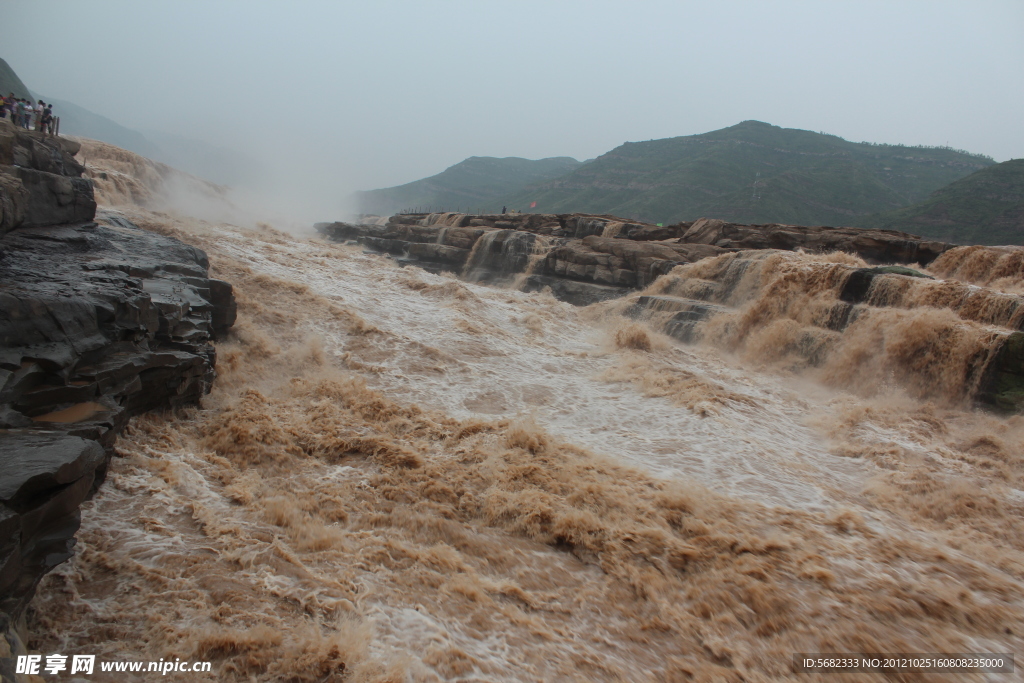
{"x":503,"y":211}
{"x":46,"y":121}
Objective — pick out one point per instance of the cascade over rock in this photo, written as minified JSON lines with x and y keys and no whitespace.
{"x":585,"y":258}
{"x":941,"y":339}
{"x":878,"y":246}
{"x":740,"y":284}
{"x":99,"y":321}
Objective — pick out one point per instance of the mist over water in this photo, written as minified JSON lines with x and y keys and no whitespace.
{"x":402,"y":476}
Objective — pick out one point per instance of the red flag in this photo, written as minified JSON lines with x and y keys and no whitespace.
{"x":533,"y":205}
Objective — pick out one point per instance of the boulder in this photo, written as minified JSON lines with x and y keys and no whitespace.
{"x":1002,"y":385}
{"x":573,"y":292}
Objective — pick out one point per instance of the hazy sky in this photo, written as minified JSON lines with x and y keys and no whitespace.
{"x":356,"y":95}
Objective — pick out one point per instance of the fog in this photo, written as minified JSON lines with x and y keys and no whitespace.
{"x":329,"y":98}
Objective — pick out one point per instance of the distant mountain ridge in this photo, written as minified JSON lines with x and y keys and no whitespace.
{"x":752,"y":173}
{"x":210,"y":162}
{"x":986,"y":207}
{"x":10,"y":83}
{"x":76,"y":120}
{"x":475,"y":184}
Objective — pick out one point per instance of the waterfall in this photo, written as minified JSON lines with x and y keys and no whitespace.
{"x":612,"y":229}
{"x":498,"y":254}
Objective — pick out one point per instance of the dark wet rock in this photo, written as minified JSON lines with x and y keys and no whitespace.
{"x":32,"y":463}
{"x":571,"y":291}
{"x":40,"y":181}
{"x":859,"y":282}
{"x":685,"y":313}
{"x":1002,"y":385}
{"x":98,"y":322}
{"x":52,"y":198}
{"x":225,"y":308}
{"x":44,"y":478}
{"x":104,"y":322}
{"x":620,"y":262}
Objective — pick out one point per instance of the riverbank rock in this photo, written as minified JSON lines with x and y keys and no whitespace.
{"x":99,"y":321}
{"x":40,"y":181}
{"x":44,"y":477}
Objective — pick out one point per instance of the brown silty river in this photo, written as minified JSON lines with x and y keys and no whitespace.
{"x":402,"y":476}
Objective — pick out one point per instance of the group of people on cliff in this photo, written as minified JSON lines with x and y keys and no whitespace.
{"x":24,"y":114}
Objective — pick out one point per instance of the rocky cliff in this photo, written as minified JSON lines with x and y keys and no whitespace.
{"x":40,"y":181}
{"x":99,"y":321}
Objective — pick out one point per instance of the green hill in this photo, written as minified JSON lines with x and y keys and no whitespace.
{"x":10,"y":83}
{"x":752,"y":172}
{"x":986,"y":207}
{"x":474,"y":184}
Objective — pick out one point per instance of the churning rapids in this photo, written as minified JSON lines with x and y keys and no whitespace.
{"x":402,"y":476}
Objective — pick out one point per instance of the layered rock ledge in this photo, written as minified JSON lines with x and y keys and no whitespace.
{"x":585,"y":258}
{"x":40,"y":181}
{"x":979,"y":348}
{"x":99,"y":321}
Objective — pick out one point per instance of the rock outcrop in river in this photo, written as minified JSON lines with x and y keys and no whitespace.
{"x":940,"y":339}
{"x":98,"y":322}
{"x":585,"y":258}
{"x":757,"y":279}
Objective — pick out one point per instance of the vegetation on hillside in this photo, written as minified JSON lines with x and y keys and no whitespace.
{"x":10,"y":83}
{"x":753,"y":172}
{"x":986,"y":207}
